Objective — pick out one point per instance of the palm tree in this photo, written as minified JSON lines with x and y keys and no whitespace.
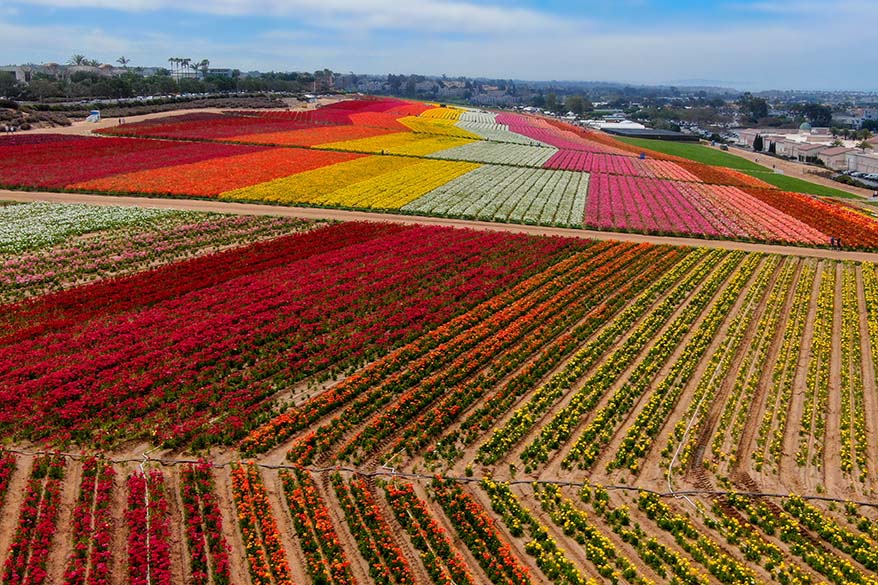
{"x":173,"y":62}
{"x":123,"y":61}
{"x":184,"y":64}
{"x":78,"y":59}
{"x":204,"y":65}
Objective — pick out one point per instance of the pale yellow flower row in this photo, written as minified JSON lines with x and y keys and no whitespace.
{"x":443,"y":113}
{"x":310,"y":185}
{"x":439,"y":126}
{"x":370,"y":182}
{"x":407,"y":143}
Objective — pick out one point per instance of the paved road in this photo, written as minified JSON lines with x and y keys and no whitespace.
{"x":342,"y":215}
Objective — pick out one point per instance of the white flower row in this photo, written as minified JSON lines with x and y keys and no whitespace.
{"x":498,"y":153}
{"x":36,"y":225}
{"x":519,"y":195}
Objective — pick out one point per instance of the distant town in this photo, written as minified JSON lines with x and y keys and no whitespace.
{"x":834,"y":131}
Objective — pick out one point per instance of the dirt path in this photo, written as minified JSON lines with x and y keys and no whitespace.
{"x":274,"y":491}
{"x":787,"y":466}
{"x":62,"y":543}
{"x":597,"y":469}
{"x":239,"y":571}
{"x":747,"y":445}
{"x":343,"y":215}
{"x":833,"y":478}
{"x":15,"y":494}
{"x":715,"y":399}
{"x":870,"y":397}
{"x":797,"y":170}
{"x":358,"y":565}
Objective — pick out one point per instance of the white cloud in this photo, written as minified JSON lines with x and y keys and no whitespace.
{"x":458,"y":16}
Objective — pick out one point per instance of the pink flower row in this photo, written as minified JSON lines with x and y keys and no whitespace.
{"x":653,"y":205}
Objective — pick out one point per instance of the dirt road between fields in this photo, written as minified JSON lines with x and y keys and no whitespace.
{"x":343,"y":215}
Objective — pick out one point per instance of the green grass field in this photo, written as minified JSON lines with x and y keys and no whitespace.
{"x":696,"y":152}
{"x":719,"y":158}
{"x":788,"y":183}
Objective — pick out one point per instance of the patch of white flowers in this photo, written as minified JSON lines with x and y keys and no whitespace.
{"x":36,"y":225}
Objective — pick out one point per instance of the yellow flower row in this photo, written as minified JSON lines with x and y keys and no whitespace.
{"x":395,"y":189}
{"x":441,"y":126}
{"x":406,"y":143}
{"x":311,"y":185}
{"x":443,"y":113}
{"x":380,"y":182}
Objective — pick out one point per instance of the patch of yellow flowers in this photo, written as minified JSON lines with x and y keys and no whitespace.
{"x":376,"y":182}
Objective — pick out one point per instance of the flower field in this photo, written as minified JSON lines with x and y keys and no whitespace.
{"x":266,"y":400}
{"x":493,"y":193}
{"x":313,"y":158}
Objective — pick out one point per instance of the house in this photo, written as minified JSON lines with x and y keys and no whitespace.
{"x":835,"y":157}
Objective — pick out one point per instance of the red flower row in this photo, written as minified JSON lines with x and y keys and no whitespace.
{"x":204,"y":527}
{"x":149,"y":531}
{"x":29,"y":551}
{"x":92,"y":526}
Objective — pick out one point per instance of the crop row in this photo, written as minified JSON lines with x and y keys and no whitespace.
{"x":442,"y":561}
{"x":7,"y":468}
{"x":663,"y":400}
{"x":772,"y":428}
{"x":816,"y":399}
{"x":528,"y":196}
{"x":266,"y":558}
{"x":701,"y":547}
{"x":550,"y":558}
{"x":852,"y":424}
{"x":789,"y":525}
{"x":325,"y":559}
{"x":208,"y":549}
{"x":551,"y":342}
{"x":149,"y":531}
{"x":387,"y":563}
{"x":129,"y":248}
{"x":37,"y":523}
{"x":93,"y":526}
{"x":750,"y":371}
{"x":526,"y":417}
{"x":702,"y":284}
{"x":405,"y":365}
{"x":459,"y":358}
{"x":276,"y":295}
{"x":476,"y":529}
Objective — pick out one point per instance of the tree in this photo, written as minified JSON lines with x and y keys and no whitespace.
{"x":552,"y":102}
{"x":772,"y":148}
{"x":864,"y":145}
{"x":575,"y":104}
{"x":816,"y":114}
{"x":78,"y":59}
{"x":754,"y":107}
{"x":870,"y":125}
{"x":123,"y":61}
{"x":758,"y":143}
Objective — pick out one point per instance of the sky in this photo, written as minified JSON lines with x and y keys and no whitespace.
{"x":745,"y":44}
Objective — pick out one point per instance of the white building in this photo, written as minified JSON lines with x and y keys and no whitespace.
{"x":835,"y":158}
{"x":861,"y":162}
